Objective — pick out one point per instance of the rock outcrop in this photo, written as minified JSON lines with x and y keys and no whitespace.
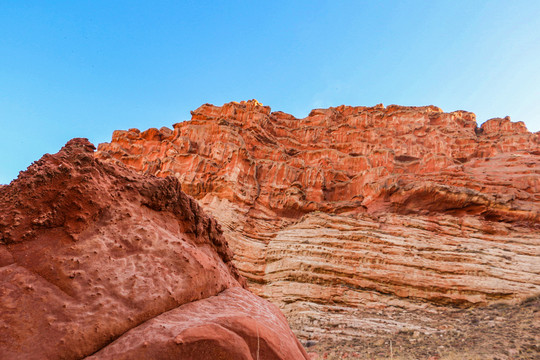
{"x":97,"y":260}
{"x":359,"y":207}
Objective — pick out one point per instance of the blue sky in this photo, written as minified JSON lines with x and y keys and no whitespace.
{"x":85,"y":68}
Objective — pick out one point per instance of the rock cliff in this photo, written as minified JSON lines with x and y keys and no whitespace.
{"x":358,"y":208}
{"x":97,"y":260}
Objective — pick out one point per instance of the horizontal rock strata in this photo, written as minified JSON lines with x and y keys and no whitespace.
{"x":359,"y":206}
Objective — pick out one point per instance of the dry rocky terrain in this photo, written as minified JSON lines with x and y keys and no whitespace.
{"x":358,"y":221}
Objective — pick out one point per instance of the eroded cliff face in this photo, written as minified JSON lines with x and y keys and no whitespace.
{"x":359,"y":207}
{"x":96,"y":259}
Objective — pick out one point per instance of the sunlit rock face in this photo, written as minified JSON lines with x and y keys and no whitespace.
{"x":96,"y":259}
{"x":359,"y":207}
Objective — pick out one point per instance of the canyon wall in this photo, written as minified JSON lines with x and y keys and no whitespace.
{"x":356,"y":208}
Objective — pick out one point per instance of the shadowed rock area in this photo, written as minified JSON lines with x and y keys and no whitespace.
{"x":355,"y":209}
{"x":97,"y":260}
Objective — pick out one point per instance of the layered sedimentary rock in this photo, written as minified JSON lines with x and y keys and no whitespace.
{"x":96,"y":259}
{"x":359,"y":206}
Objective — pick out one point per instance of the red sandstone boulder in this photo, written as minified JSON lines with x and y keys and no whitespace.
{"x":93,"y":256}
{"x":234,"y":325}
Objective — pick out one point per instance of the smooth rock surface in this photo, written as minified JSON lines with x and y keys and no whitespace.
{"x":234,"y":325}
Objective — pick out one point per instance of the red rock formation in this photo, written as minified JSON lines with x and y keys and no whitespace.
{"x":91,"y":253}
{"x":232,"y":325}
{"x":359,"y":206}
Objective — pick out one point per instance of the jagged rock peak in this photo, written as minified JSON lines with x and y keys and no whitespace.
{"x":337,"y":158}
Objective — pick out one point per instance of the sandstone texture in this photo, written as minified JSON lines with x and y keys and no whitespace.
{"x":355,"y":208}
{"x":97,"y":260}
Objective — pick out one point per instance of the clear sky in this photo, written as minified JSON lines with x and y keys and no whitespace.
{"x":85,"y":68}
